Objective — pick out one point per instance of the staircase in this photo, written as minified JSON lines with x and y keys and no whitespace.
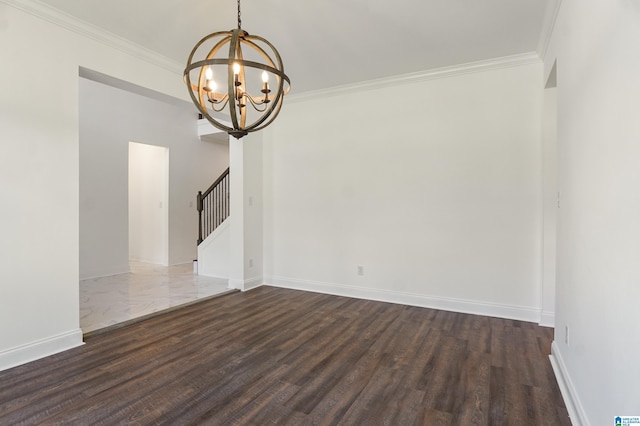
{"x":213,"y":229}
{"x":213,"y":206}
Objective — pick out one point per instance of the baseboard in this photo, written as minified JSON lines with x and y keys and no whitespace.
{"x":576,"y":412}
{"x":547,"y":319}
{"x":40,"y":349}
{"x":182,"y":262}
{"x":108,"y":272}
{"x":447,"y":304}
{"x":247,"y":284}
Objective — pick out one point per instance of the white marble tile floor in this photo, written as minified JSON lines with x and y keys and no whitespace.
{"x":147,"y":289}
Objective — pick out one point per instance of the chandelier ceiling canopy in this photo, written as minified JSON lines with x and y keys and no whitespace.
{"x":236,"y":80}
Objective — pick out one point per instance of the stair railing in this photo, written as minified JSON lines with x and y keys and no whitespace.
{"x":213,"y":206}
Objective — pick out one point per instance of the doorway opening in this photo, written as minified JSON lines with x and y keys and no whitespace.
{"x":139,"y":261}
{"x":148,"y":203}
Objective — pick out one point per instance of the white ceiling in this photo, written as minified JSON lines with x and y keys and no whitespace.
{"x":330,"y":43}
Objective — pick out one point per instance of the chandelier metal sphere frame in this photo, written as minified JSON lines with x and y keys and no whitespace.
{"x":250,"y":64}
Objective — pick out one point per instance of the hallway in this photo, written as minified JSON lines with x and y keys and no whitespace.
{"x":147,"y":289}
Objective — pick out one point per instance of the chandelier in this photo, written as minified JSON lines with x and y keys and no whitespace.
{"x":234,"y":91}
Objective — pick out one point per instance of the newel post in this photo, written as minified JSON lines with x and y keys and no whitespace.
{"x":199,"y":205}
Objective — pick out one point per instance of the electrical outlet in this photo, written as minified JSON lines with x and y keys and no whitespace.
{"x":566,"y":335}
{"x":360,"y":270}
{"x":250,"y":263}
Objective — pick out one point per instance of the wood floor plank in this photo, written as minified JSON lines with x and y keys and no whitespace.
{"x":278,"y":356}
{"x":473,"y":393}
{"x":496,"y":413}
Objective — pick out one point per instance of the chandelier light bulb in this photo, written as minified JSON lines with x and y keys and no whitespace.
{"x":236,"y":68}
{"x":265,"y":77}
{"x":208,"y":74}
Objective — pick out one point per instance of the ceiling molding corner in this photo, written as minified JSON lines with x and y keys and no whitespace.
{"x":410,"y":78}
{"x":84,"y":29}
{"x":548,"y":24}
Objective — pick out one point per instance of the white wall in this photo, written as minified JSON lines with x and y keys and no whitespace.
{"x":598,"y":64}
{"x":214,"y":252}
{"x":549,"y":205}
{"x":434,"y":188}
{"x":246,"y":213}
{"x":109,"y":119}
{"x":39,"y":172}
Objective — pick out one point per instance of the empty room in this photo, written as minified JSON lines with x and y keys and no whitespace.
{"x":432,"y":211}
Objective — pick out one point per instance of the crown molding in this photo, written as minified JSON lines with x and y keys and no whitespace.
{"x":417,"y":77}
{"x":548,"y":24}
{"x":85,"y":29}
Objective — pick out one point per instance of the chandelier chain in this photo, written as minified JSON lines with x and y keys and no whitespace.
{"x":239,"y":20}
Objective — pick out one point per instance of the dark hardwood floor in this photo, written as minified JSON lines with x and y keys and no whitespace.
{"x":276,"y":356}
